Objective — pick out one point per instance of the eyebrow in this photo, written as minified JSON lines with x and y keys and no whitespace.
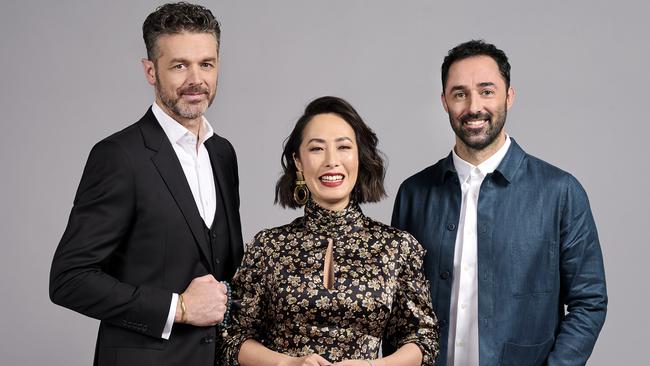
{"x":322,"y":141}
{"x":182,"y":60}
{"x":481,"y":85}
{"x":487,"y":83}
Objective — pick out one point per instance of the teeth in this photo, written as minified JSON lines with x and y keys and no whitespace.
{"x":331,"y":178}
{"x":476,"y":122}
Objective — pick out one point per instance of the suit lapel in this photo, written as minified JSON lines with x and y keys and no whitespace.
{"x":218,"y":161}
{"x":170,"y":170}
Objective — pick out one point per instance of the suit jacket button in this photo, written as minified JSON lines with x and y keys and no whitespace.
{"x":444,"y":275}
{"x":208,"y":339}
{"x":214,"y":236}
{"x":451,"y":227}
{"x":217,"y":261}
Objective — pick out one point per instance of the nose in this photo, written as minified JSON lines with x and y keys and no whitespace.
{"x":194,"y":76}
{"x":475,"y":104}
{"x":332,"y":157}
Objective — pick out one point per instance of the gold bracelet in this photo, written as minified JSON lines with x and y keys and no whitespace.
{"x":183,"y":310}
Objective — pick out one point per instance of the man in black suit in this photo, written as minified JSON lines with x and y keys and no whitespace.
{"x":155,"y":224}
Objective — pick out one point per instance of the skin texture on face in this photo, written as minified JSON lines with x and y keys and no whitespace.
{"x":184,"y":75}
{"x":329,"y":159}
{"x":477,"y":101}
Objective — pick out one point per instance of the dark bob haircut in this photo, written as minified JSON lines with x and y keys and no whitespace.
{"x":370,"y":180}
{"x":476,"y":48}
{"x":174,"y":18}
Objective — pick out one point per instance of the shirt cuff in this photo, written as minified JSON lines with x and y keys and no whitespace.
{"x":167,"y":331}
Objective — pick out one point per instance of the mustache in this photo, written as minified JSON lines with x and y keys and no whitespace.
{"x":475,"y":116}
{"x":194,"y":89}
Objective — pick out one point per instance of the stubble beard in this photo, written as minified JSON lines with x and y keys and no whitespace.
{"x":173,"y":101}
{"x":489,"y":134}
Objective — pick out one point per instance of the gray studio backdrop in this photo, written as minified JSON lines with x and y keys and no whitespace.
{"x":70,"y":75}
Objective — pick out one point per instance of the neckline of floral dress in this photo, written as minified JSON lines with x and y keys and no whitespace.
{"x":333,"y":224}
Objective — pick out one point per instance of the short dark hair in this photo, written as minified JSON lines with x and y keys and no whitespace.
{"x":174,"y":18}
{"x":476,"y":48}
{"x":370,"y":180}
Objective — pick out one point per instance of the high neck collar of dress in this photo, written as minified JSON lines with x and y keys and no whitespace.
{"x":333,"y":223}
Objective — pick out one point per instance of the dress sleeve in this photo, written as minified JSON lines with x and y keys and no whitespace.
{"x":249,"y":303}
{"x":412,"y":319}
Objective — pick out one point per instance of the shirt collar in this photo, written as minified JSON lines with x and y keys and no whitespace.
{"x":464,"y":168}
{"x":174,"y":130}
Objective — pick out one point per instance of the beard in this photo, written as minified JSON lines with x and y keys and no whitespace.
{"x":480,"y":139}
{"x":174,"y":102}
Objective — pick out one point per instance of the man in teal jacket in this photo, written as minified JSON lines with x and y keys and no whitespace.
{"x":513,"y":256}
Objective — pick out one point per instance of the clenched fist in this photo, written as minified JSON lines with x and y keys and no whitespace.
{"x":205,"y":302}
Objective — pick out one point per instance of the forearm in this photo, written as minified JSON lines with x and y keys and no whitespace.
{"x":577,"y":337}
{"x":407,"y":355}
{"x":253,"y":353}
{"x":98,"y":295}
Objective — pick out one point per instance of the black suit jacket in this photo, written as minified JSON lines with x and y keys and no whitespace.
{"x":135,"y":236}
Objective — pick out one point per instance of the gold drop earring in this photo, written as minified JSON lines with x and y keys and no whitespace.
{"x":301,"y":192}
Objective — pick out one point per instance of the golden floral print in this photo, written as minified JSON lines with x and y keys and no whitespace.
{"x":378,"y":292}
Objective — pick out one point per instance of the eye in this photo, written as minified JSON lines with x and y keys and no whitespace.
{"x":487,"y":92}
{"x":459,"y":95}
{"x":207,"y":65}
{"x":178,"y":67}
{"x":345,"y":147}
{"x":315,"y":148}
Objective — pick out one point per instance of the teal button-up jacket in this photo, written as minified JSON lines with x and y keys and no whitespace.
{"x":542,"y":296}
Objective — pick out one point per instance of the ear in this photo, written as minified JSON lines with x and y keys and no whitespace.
{"x":149,"y":71}
{"x":444,"y":102}
{"x":296,"y":160}
{"x":510,"y":98}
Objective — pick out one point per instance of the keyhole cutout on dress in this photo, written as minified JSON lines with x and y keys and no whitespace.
{"x":328,"y":268}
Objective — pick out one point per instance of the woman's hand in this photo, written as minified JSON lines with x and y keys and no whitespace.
{"x":354,"y":363}
{"x":311,"y":360}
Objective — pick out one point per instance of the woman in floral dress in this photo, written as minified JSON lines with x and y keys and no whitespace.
{"x":333,"y":284}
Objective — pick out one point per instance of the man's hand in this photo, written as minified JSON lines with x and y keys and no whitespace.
{"x":205,"y":302}
{"x":311,"y":360}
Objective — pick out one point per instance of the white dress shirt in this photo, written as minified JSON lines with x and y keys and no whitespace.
{"x":463,"y":341}
{"x":195,"y":161}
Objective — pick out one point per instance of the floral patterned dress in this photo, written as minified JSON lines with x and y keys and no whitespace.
{"x":378,"y":291}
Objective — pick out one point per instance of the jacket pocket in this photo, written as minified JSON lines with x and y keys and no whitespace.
{"x":526,"y":354}
{"x":533,"y":264}
{"x":113,"y":336}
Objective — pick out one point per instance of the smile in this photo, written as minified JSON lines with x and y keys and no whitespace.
{"x":331,"y":180}
{"x":476,"y":123}
{"x":194,"y":96}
